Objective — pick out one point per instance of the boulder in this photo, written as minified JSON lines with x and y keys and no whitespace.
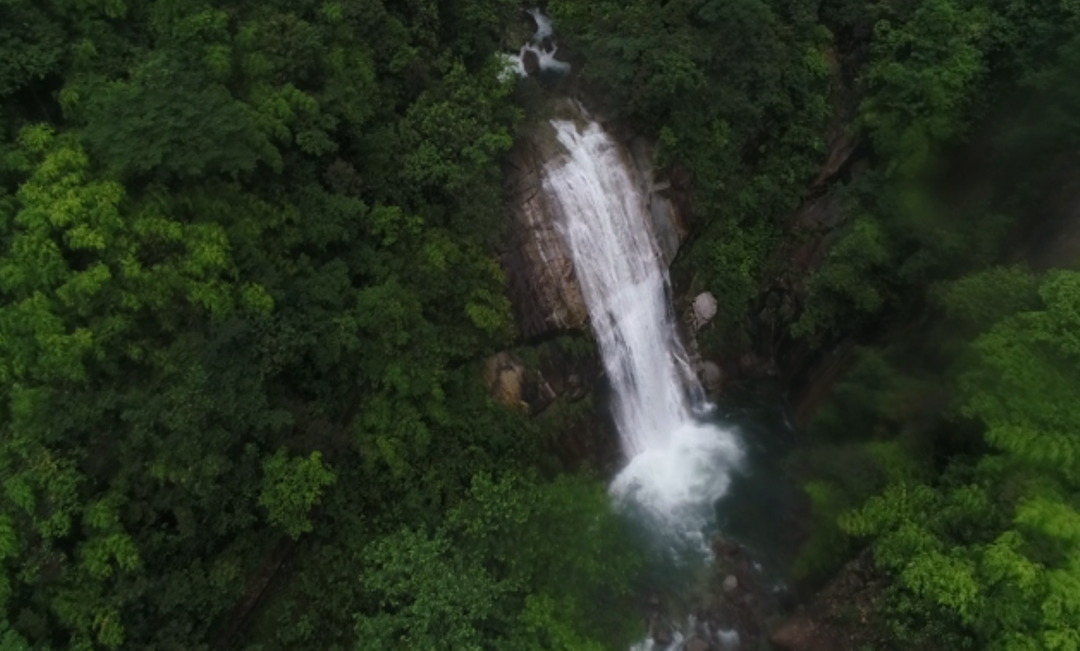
{"x":698,"y":644}
{"x":504,"y":378}
{"x":711,"y":376}
{"x":705,"y":307}
{"x":802,"y":633}
{"x":510,"y":382}
{"x":531,"y":62}
{"x":841,"y":616}
{"x":530,"y":20}
{"x":660,"y":632}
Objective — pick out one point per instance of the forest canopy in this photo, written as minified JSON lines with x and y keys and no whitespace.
{"x":949,"y":448}
{"x":248,"y":275}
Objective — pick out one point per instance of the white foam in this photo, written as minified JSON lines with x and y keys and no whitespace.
{"x":678,"y":482}
{"x":514,"y":64}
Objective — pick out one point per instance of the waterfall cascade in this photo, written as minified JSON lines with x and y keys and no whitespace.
{"x":678,"y":464}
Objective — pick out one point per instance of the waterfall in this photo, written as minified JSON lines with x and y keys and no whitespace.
{"x":678,"y":465}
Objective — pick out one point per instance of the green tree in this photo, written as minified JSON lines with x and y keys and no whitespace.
{"x":986,"y":557}
{"x":520,"y":564}
{"x":291,"y":486}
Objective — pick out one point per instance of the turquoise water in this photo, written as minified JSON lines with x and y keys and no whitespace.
{"x":762,"y":508}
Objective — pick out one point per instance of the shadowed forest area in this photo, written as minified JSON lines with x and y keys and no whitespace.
{"x":951,"y":447}
{"x":249,"y":275}
{"x":247,"y":279}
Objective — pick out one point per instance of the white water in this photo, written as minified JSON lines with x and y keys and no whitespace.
{"x":515,"y":64}
{"x":678,"y":465}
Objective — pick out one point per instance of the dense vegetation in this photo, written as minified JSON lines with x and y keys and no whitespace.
{"x":746,"y":95}
{"x":247,"y":278}
{"x":736,"y":92}
{"x":951,"y":447}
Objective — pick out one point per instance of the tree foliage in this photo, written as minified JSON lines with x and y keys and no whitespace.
{"x":737,"y":94}
{"x":984,"y":554}
{"x":518,"y":565}
{"x":247,"y":273}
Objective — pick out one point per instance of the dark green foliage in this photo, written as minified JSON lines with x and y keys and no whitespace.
{"x":937,"y":92}
{"x":977,"y":301}
{"x":853,"y":285}
{"x":176,"y":122}
{"x":920,"y":78}
{"x":737,"y":94}
{"x":518,"y":565}
{"x":32,"y":45}
{"x":981,"y":545}
{"x":247,"y":275}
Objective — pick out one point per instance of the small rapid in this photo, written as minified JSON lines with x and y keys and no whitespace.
{"x":541,"y":45}
{"x":678,"y":465}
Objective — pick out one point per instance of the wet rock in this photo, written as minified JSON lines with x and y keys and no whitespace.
{"x":531,"y":62}
{"x":543,"y":287}
{"x":697,"y":644}
{"x":704,"y":308}
{"x":547,"y":44}
{"x":530,"y":21}
{"x":730,"y":583}
{"x":660,"y":632}
{"x":669,"y":221}
{"x":544,"y":290}
{"x":754,"y":366}
{"x":711,"y":376}
{"x":652,"y":604}
{"x":739,"y":604}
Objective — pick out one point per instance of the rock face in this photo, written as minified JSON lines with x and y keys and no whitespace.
{"x":555,"y":375}
{"x":840,"y":617}
{"x":552,"y":380}
{"x":711,"y":376}
{"x":670,"y":224}
{"x":543,"y":287}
